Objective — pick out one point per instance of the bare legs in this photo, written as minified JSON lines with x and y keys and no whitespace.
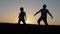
{"x":44,"y":19}
{"x":22,"y":21}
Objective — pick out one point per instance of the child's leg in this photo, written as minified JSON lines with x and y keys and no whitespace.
{"x":24,"y":21}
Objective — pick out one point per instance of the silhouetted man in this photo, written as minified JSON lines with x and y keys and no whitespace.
{"x":43,"y":17}
{"x":22,"y":16}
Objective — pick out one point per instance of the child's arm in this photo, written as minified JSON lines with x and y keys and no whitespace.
{"x":25,"y":17}
{"x":19,"y":15}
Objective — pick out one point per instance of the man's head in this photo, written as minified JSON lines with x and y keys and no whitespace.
{"x":44,"y":6}
{"x":21,"y":8}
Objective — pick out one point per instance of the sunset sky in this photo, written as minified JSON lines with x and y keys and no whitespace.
{"x":9,"y":10}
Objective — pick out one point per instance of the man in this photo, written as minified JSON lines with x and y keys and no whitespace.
{"x":43,"y":17}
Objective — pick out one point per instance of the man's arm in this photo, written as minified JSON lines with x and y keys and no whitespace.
{"x":36,"y":13}
{"x":50,"y":14}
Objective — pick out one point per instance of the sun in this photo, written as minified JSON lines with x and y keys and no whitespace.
{"x":27,"y":22}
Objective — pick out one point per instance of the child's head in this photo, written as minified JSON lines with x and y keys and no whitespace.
{"x":21,"y":8}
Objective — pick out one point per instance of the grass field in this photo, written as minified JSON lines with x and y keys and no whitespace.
{"x":28,"y":28}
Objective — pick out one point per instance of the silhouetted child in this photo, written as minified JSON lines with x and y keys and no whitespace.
{"x":22,"y":16}
{"x":43,"y":17}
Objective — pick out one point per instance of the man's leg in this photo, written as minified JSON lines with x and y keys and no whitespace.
{"x":46,"y":24}
{"x":39,"y":20}
{"x":45,"y":21}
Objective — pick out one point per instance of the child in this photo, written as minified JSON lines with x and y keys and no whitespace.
{"x":22,"y":16}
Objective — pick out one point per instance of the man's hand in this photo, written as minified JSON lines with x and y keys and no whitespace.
{"x":52,"y":17}
{"x":34,"y":14}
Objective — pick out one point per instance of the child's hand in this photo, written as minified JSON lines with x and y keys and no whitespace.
{"x":25,"y":18}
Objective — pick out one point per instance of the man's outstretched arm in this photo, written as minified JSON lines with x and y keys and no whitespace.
{"x":36,"y":13}
{"x":50,"y":14}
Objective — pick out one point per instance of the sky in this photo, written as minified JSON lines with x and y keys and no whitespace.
{"x":9,"y":10}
